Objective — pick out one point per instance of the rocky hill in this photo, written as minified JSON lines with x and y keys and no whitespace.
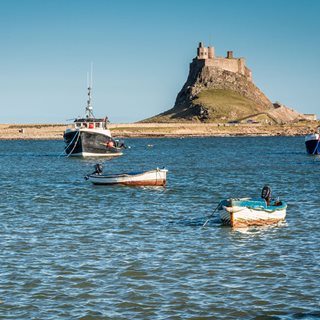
{"x":221,"y":90}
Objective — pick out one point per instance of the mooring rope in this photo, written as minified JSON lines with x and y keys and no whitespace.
{"x":62,"y":153}
{"x":211,"y":215}
{"x":78,"y":135}
{"x":315,"y":149}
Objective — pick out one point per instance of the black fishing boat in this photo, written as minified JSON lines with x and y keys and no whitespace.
{"x":90,"y":136}
{"x":312,"y":142}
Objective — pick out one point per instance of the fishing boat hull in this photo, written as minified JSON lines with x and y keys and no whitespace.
{"x":312,"y":143}
{"x":237,"y":214}
{"x":85,"y":143}
{"x":156,"y":177}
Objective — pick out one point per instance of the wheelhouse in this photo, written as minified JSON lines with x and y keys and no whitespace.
{"x":91,"y":123}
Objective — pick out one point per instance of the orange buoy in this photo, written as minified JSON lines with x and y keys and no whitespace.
{"x":110,"y":144}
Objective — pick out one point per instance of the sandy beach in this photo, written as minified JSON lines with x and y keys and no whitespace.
{"x":141,"y":130}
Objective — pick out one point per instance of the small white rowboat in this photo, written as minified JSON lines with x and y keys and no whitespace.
{"x":156,"y":177}
{"x":251,"y":212}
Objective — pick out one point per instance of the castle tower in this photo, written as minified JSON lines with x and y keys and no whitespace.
{"x":229,"y":54}
{"x":202,"y":52}
{"x":205,"y":52}
{"x":210,"y":52}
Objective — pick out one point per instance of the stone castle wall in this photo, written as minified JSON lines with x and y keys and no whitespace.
{"x":311,"y":117}
{"x":206,"y":57}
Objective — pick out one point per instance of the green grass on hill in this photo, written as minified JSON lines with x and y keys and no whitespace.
{"x":222,"y":105}
{"x":226,"y":104}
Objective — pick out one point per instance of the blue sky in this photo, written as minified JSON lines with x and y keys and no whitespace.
{"x":141,"y":52}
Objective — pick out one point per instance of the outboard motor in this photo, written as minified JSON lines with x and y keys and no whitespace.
{"x":120,"y":144}
{"x":98,"y":168}
{"x":266,"y":194}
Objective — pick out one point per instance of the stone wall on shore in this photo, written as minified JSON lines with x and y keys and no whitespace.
{"x":165,"y":130}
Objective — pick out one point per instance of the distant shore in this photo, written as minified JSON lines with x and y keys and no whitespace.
{"x":160,"y":130}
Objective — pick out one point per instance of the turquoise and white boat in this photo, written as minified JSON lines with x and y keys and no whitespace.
{"x":246,"y":212}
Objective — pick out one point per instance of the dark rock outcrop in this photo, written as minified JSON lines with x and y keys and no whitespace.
{"x":205,"y":77}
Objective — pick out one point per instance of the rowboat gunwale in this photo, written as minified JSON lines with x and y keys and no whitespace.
{"x":156,"y":177}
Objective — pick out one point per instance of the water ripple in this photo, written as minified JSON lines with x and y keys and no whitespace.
{"x":71,"y":250}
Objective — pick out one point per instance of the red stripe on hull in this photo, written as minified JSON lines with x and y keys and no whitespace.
{"x":159,"y":182}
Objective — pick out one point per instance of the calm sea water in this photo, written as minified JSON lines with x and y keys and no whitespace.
{"x":71,"y":250}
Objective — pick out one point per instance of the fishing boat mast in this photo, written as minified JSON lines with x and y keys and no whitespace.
{"x":89,"y":108}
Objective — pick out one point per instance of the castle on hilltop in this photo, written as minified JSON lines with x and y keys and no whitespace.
{"x":221,"y":90}
{"x":206,"y":57}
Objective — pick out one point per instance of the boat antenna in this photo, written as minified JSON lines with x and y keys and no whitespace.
{"x":89,"y":109}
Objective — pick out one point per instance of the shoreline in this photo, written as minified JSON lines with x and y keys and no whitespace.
{"x":161,"y":130}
